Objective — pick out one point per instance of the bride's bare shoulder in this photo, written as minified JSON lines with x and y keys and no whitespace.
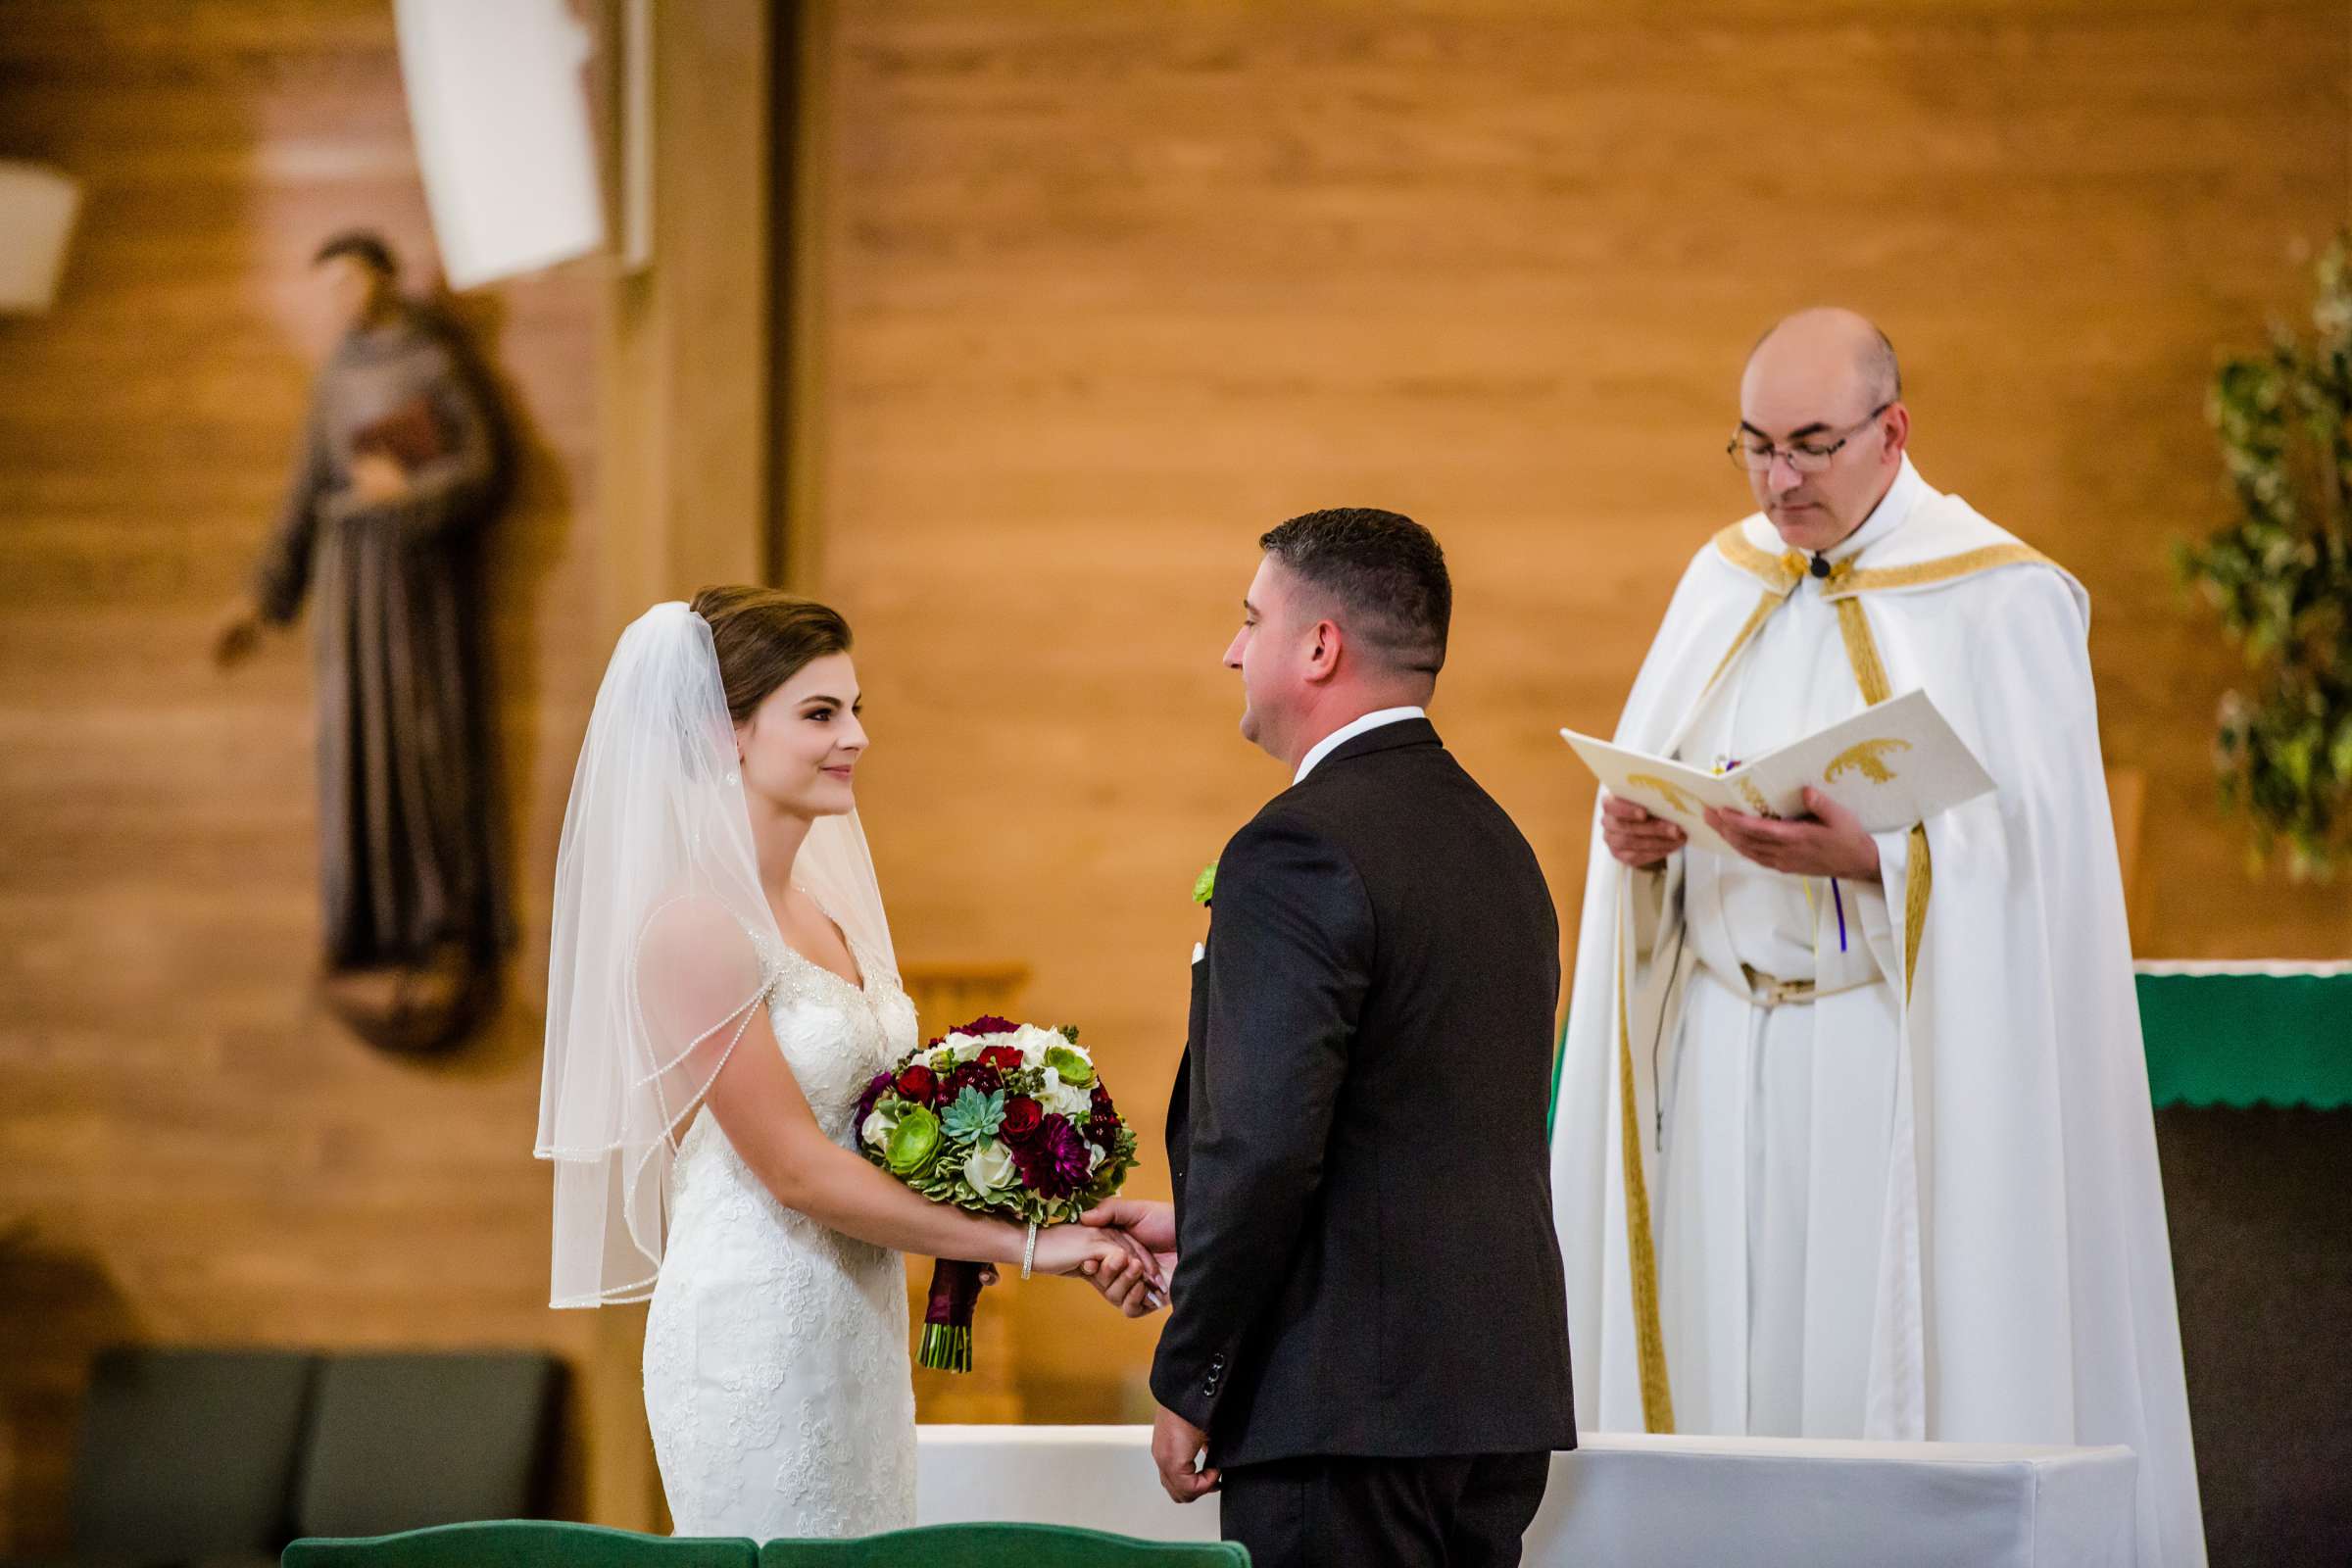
{"x":689,"y":934}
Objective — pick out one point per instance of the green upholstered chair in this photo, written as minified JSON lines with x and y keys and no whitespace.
{"x":188,"y":1456}
{"x":523,"y":1544}
{"x":1002,"y":1546}
{"x":400,"y":1442}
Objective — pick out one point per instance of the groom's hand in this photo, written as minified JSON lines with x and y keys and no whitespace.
{"x":1151,"y":1226}
{"x":1176,"y":1448}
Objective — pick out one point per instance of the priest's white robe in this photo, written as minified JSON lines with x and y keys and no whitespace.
{"x":1924,"y":1205}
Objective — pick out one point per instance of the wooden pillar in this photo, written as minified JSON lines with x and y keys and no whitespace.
{"x":803,"y":118}
{"x":686,"y":420}
{"x":685,"y":431}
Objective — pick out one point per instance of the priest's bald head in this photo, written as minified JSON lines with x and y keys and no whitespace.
{"x":1822,"y":424}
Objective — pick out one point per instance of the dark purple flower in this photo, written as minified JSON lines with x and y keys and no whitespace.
{"x":1102,"y":1120}
{"x":1053,"y":1164}
{"x":977,"y":1075}
{"x":987,"y":1024}
{"x":873,"y":1092}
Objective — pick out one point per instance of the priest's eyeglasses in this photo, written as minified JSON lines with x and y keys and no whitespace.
{"x":1753,"y":452}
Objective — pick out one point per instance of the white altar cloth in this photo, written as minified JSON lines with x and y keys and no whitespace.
{"x":1630,"y":1501}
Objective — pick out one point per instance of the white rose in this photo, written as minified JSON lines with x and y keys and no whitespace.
{"x":1094,"y":1158}
{"x":1067,"y":1098}
{"x":879,"y":1125}
{"x":966,"y":1049}
{"x":989,"y":1167}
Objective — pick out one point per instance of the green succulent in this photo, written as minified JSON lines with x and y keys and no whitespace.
{"x":973,"y":1115}
{"x":913,"y":1142}
{"x":2281,"y":579}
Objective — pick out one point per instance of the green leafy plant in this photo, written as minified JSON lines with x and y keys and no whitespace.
{"x":2280,"y":577}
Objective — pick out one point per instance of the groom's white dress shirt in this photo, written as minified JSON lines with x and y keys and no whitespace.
{"x":1350,"y":731}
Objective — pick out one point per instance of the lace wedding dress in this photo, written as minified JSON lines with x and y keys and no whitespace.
{"x":776,"y":1375}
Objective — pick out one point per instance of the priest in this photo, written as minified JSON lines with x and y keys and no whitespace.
{"x":1853,"y":1135}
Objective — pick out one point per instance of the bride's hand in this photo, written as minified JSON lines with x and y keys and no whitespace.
{"x":1140,"y":1290}
{"x":1110,"y":1260}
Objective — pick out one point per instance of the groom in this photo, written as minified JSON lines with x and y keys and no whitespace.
{"x":1367,"y":1348}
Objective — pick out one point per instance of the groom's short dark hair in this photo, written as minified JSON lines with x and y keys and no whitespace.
{"x":1385,"y":571}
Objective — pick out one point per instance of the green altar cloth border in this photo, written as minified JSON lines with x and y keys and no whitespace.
{"x":2229,"y":1032}
{"x":2248,"y":1033}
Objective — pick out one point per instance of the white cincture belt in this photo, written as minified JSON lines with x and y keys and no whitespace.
{"x":1771,"y":991}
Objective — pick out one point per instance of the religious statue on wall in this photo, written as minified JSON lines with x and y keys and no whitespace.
{"x":404,"y":460}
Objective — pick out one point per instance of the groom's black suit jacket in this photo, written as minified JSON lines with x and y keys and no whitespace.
{"x":1363,"y":1189}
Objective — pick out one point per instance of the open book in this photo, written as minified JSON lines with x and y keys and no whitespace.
{"x":1892,"y":765}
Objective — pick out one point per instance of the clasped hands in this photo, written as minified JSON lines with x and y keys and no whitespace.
{"x":1831,"y":842}
{"x":1126,"y":1249}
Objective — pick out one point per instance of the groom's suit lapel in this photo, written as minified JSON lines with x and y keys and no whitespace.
{"x":1180,"y":1112}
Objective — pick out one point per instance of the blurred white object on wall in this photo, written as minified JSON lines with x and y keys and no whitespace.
{"x":37,"y":208}
{"x":503,"y":138}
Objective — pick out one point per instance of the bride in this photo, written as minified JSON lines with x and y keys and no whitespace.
{"x":721,"y":988}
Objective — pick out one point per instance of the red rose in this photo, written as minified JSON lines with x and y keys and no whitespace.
{"x":918,"y":1083}
{"x":1004,"y":1059}
{"x":1022,"y":1118}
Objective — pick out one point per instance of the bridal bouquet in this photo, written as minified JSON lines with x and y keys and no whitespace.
{"x":1001,"y":1119}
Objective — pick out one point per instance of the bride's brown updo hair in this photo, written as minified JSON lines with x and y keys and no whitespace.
{"x":765,"y":636}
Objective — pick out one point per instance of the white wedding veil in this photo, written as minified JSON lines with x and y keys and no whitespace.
{"x":662,"y":946}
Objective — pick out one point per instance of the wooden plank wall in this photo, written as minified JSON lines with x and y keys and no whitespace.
{"x":198,"y":1152}
{"x":1107,"y":290}
{"x":1091,"y":295}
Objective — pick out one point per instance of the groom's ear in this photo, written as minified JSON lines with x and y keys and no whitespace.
{"x":1323,"y":655}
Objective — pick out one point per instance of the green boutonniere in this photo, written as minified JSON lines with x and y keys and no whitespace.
{"x":1204,"y":886}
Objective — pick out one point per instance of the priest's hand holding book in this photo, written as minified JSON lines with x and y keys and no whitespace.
{"x":1634,"y":836}
{"x":1829,"y":841}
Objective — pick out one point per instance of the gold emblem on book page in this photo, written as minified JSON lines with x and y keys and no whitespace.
{"x":1676,"y":795}
{"x":1868,"y":759}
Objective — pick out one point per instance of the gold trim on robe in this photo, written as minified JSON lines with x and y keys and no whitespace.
{"x":1870,"y":674}
{"x":1848,"y":579}
{"x":1649,"y":1334}
{"x":1756,"y":622}
{"x":1779,"y":572}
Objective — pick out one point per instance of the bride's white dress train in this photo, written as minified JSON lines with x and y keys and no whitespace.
{"x":776,"y":1375}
